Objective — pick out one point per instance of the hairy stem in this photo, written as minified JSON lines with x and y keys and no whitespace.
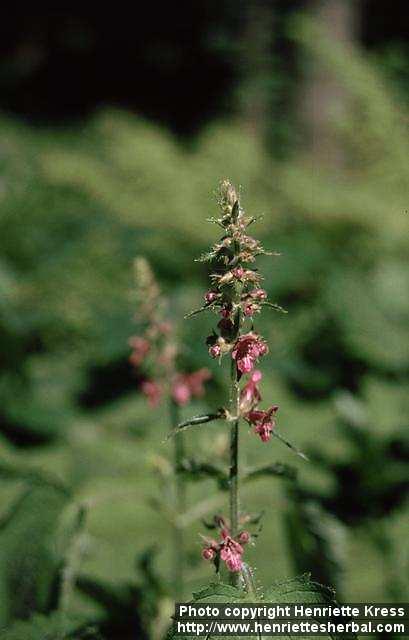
{"x":248,"y":580}
{"x":234,"y":438}
{"x":180,"y":506}
{"x":234,"y":450}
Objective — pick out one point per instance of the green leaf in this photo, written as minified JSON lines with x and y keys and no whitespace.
{"x":193,"y":422}
{"x":29,"y":564}
{"x":57,"y":626}
{"x":316,"y":539}
{"x":274,"y":306}
{"x":15,"y":471}
{"x":215,"y":592}
{"x":276,"y":469}
{"x":303,"y":590}
{"x":289,"y":445}
{"x":254,"y":219}
{"x":300,"y":590}
{"x":214,"y":220}
{"x":128,"y":609}
{"x":197,"y":470}
{"x":219,"y":592}
{"x":195,"y":312}
{"x":109,"y":597}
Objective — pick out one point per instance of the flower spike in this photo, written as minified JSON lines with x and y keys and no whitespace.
{"x":237,"y":296}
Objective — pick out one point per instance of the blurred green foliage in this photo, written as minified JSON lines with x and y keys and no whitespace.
{"x":76,"y":207}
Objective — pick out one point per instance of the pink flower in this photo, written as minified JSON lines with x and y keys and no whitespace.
{"x":189,"y":384}
{"x":231,"y":552}
{"x":247,"y":350}
{"x":244,"y":275}
{"x":164,"y":327}
{"x":152,"y":391}
{"x":263,"y":421}
{"x":250,"y":394}
{"x":181,"y":392}
{"x":214,"y":351}
{"x":140,"y":348}
{"x":211,"y":296}
{"x":196,"y":380}
{"x":258,"y":294}
{"x":228,"y":549}
{"x":250,"y":309}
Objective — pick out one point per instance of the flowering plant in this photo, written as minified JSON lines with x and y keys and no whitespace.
{"x":154,"y":357}
{"x":154,"y":351}
{"x":237,"y":297}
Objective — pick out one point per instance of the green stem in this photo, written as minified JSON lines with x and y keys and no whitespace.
{"x":180,"y":507}
{"x":234,"y":450}
{"x":248,"y":580}
{"x":234,"y":444}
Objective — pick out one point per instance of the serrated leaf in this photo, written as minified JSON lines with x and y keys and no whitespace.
{"x":215,"y":592}
{"x":220,"y":592}
{"x":303,"y":590}
{"x":300,"y":590}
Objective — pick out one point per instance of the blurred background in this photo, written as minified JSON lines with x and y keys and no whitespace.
{"x":115,"y":129}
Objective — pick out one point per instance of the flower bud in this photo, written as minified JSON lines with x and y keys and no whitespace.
{"x":208,"y":553}
{"x":249,"y":309}
{"x":152,"y":391}
{"x":211,"y":296}
{"x":181,"y":392}
{"x":228,"y":194}
{"x":140,"y":349}
{"x":238,"y":272}
{"x":244,"y":537}
{"x":258,"y":294}
{"x":215,"y":351}
{"x":226,"y":278}
{"x":262,"y":348}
